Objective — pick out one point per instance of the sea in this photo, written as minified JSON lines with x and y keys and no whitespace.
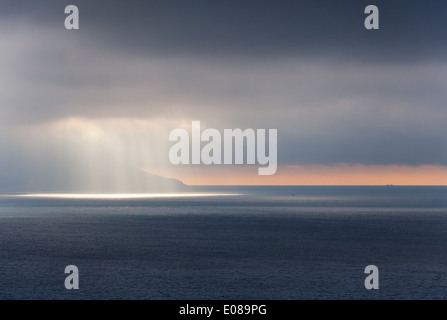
{"x":232,"y":243}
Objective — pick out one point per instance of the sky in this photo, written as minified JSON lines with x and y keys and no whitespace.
{"x":351,"y":106}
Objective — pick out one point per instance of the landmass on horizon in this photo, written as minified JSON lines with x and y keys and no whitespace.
{"x":124,"y":179}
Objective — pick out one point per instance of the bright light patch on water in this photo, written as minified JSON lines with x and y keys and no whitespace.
{"x":121,"y":195}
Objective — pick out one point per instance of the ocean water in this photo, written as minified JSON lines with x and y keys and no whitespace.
{"x":250,"y":243}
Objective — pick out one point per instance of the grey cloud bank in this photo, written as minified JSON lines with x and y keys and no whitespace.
{"x":263,"y":28}
{"x":336,"y":92}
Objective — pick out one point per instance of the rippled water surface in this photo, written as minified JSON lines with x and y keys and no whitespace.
{"x":227,"y":243}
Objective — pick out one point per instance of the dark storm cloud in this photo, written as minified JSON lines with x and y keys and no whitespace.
{"x":336,"y":92}
{"x":253,"y":29}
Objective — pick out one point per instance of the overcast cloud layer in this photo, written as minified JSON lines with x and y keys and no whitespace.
{"x":336,"y":92}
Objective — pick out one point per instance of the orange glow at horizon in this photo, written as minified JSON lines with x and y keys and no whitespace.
{"x":342,"y":174}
